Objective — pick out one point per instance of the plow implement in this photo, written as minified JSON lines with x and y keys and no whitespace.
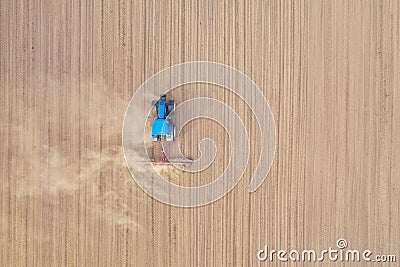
{"x":165,"y":161}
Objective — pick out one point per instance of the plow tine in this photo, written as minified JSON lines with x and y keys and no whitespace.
{"x":183,"y":163}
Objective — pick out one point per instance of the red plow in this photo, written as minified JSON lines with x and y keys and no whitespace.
{"x":165,"y":161}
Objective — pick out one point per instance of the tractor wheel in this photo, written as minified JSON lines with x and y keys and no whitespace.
{"x":171,"y":106}
{"x":171,"y":137}
{"x":154,"y":104}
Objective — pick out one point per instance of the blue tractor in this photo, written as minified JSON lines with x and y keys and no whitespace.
{"x":163,"y":126}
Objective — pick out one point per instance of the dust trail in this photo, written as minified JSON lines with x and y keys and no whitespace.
{"x":170,"y":173}
{"x":54,"y":172}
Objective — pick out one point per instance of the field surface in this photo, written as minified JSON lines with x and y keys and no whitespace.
{"x":68,"y":69}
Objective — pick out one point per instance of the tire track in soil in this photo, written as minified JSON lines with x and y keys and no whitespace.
{"x":20,"y":216}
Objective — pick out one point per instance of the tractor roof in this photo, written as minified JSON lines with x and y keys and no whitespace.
{"x":161,"y":126}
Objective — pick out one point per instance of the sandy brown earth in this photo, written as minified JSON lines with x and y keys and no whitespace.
{"x":330,"y":71}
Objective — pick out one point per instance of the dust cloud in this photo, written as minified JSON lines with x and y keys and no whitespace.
{"x":94,"y":166}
